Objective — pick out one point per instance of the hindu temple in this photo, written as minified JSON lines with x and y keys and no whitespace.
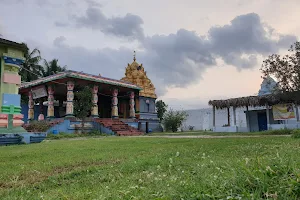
{"x":121,"y":107}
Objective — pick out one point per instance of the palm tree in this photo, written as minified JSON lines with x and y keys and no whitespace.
{"x":31,"y":70}
{"x":52,"y":67}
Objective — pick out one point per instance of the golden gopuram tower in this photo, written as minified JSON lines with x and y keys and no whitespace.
{"x":136,"y":74}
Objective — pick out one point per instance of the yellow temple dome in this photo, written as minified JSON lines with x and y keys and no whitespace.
{"x":136,"y":74}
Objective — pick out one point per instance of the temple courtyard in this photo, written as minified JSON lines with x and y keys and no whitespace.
{"x":152,"y":168}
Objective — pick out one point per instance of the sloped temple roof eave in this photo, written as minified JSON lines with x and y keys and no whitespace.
{"x":70,"y":74}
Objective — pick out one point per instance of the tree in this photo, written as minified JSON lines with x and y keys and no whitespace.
{"x":83,"y":103}
{"x":52,"y":67}
{"x":161,"y":108}
{"x":31,"y":70}
{"x":173,"y":120}
{"x":285,"y":69}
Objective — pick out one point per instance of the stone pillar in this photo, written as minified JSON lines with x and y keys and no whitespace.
{"x":30,"y":106}
{"x":131,"y":105}
{"x":234,"y":116}
{"x":268,"y":116}
{"x":297,"y":112}
{"x":114,"y":106}
{"x":94,"y":111}
{"x":228,"y":115}
{"x":248,"y":119}
{"x":214,"y":117}
{"x":41,"y":115}
{"x":70,"y":98}
{"x":50,"y":113}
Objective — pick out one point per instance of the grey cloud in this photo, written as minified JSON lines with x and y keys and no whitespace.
{"x":179,"y":59}
{"x":246,"y":34}
{"x":61,"y":24}
{"x":129,"y":26}
{"x":59,"y":41}
{"x":93,"y":3}
{"x":11,"y":1}
{"x":285,"y":41}
{"x":108,"y":62}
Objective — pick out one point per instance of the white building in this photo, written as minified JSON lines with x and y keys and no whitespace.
{"x":240,"y":119}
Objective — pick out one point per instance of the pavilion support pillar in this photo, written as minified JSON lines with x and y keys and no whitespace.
{"x":248,"y":119}
{"x":114,"y":106}
{"x":137,"y":106}
{"x":214,"y":117}
{"x":234,"y":119}
{"x":70,"y":98}
{"x":228,"y":115}
{"x":297,"y":112}
{"x":30,"y":106}
{"x":234,"y":116}
{"x":50,"y":111}
{"x":268,"y":116}
{"x":41,"y":115}
{"x":131,"y":105}
{"x":94,"y":111}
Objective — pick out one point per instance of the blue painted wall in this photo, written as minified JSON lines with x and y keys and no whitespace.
{"x":66,"y":127}
{"x":24,"y":111}
{"x":11,"y":99}
{"x":144,"y":107}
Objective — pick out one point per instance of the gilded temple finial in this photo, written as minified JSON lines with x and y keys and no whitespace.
{"x":134,"y":54}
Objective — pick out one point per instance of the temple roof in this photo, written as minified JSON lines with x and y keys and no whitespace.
{"x":136,"y":74}
{"x":268,"y":86}
{"x":79,"y":75}
{"x":12,"y":43}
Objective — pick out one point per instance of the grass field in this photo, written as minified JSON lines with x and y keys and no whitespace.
{"x":152,"y":168}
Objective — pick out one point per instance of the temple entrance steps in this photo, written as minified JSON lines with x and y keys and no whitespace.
{"x":118,"y":127}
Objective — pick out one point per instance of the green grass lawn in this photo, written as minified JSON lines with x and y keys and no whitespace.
{"x":199,"y":133}
{"x":152,"y":168}
{"x":210,"y":133}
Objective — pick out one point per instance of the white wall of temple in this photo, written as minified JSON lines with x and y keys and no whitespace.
{"x":202,"y":119}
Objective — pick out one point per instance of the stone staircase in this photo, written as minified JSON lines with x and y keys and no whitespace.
{"x":118,"y":127}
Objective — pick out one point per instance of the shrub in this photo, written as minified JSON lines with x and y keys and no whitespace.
{"x":173,"y":120}
{"x":62,"y":135}
{"x":191,"y":128}
{"x":279,"y":132}
{"x":37,"y":126}
{"x":296,"y":133}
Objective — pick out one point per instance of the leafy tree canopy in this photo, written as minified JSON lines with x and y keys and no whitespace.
{"x":161,"y":108}
{"x":83,"y":102}
{"x":31,"y":70}
{"x":286,"y":69}
{"x":52,"y":67}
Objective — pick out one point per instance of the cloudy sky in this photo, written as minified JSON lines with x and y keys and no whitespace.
{"x":192,"y":50}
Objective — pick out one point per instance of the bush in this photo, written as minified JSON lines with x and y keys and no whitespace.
{"x":296,"y":133}
{"x":278,"y":132}
{"x":173,"y":120}
{"x":191,"y":128}
{"x":37,"y":126}
{"x":72,"y":135}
